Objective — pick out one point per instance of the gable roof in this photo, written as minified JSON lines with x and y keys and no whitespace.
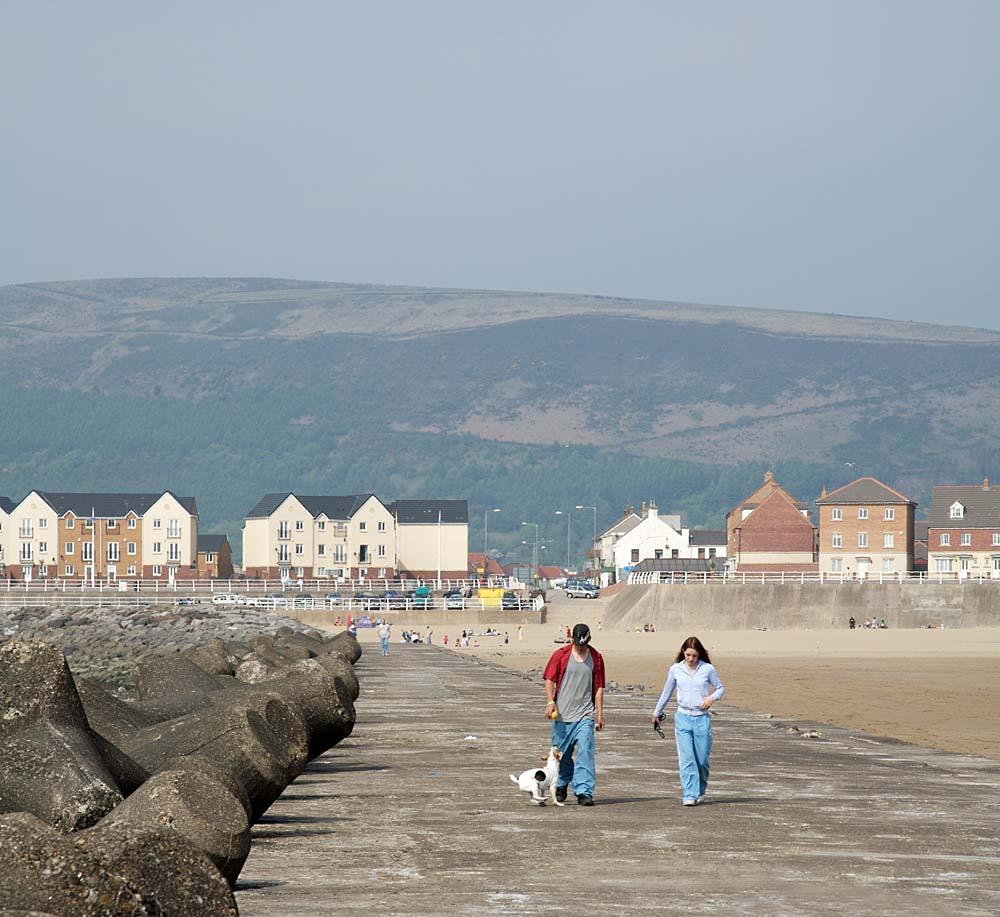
{"x":864,"y":490}
{"x":762,"y":493}
{"x":707,"y":537}
{"x":625,"y":524}
{"x":425,"y":512}
{"x":6,"y":504}
{"x":333,"y":507}
{"x":776,"y":525}
{"x":549,"y":572}
{"x":208,"y":542}
{"x":113,"y":506}
{"x":492,"y":565}
{"x":982,"y":506}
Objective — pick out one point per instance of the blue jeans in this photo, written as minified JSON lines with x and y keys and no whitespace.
{"x":578,"y":737}
{"x":385,"y":645}
{"x":694,"y":745}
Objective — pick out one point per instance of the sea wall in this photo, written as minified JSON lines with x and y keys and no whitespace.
{"x":804,"y":606}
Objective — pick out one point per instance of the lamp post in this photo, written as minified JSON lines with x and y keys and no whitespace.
{"x":593,"y":544}
{"x":534,"y":553}
{"x":569,"y":520}
{"x":486,"y":524}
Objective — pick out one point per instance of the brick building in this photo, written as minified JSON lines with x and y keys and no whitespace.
{"x":215,"y":557}
{"x":865,"y":529}
{"x":770,"y":531}
{"x":963,"y":534}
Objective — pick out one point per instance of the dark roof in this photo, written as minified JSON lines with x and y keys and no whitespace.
{"x":625,"y":523}
{"x":113,"y":506}
{"x":6,"y":504}
{"x":332,"y":507}
{"x":674,"y":565}
{"x":920,"y":527}
{"x":208,"y":542}
{"x":864,"y":490}
{"x":707,"y":537}
{"x":982,"y":506}
{"x":426,"y":511}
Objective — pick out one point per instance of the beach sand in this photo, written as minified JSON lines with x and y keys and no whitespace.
{"x":936,"y":688}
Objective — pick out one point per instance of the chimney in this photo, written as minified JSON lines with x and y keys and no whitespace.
{"x":645,"y":510}
{"x":653,"y":513}
{"x":768,"y":477}
{"x":823,"y":494}
{"x":986,"y":483}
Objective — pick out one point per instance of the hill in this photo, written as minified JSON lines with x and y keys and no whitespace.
{"x":227,"y":388}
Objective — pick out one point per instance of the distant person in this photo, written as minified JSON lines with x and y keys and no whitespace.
{"x":428,"y":634}
{"x":445,"y":639}
{"x":574,"y":686}
{"x":698,"y":686}
{"x":506,"y":638}
{"x":352,"y":628}
{"x":874,"y":623}
{"x":384,"y":632}
{"x":882,"y":624}
{"x":520,"y":632}
{"x":851,"y":624}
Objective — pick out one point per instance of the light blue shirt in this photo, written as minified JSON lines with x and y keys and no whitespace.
{"x":692,"y":688}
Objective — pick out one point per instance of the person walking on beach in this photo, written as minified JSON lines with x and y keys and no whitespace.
{"x":574,"y":687}
{"x":698,"y":687}
{"x":384,"y":633}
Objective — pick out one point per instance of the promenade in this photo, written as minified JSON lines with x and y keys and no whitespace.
{"x":413,"y":816}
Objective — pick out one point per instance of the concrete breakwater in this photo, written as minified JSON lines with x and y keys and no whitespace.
{"x":791,"y":605}
{"x":142,"y":801}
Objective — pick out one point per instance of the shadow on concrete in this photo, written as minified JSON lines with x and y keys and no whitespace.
{"x":333,"y":767}
{"x":256,"y":884}
{"x":301,"y":819}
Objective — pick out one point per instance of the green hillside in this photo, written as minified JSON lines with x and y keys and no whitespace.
{"x":227,"y":389}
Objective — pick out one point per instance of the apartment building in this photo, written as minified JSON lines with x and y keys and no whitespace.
{"x":963,"y":533}
{"x":215,"y":557}
{"x":290,"y":535}
{"x":50,"y":535}
{"x":432,"y":538}
{"x":770,"y":531}
{"x":865,"y":528}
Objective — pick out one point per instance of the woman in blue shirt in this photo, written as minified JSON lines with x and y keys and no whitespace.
{"x":698,"y":687}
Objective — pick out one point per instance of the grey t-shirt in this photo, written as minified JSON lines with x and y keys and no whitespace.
{"x":576,"y":691}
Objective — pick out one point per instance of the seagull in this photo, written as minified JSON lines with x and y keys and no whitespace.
{"x":849,"y":464}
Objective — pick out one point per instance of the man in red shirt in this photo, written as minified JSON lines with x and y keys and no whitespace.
{"x":574,"y":686}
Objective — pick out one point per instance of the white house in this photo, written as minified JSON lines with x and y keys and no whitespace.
{"x":657,"y":536}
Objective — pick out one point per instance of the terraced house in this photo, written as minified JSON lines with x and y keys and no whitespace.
{"x":50,"y":535}
{"x":963,"y":534}
{"x":865,"y":529}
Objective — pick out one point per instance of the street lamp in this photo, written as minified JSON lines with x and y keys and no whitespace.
{"x":594,"y":542}
{"x":534,"y":554}
{"x":486,"y":523}
{"x":569,"y":521}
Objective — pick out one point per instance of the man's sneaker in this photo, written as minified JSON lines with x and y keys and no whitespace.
{"x":560,"y":794}
{"x":690,"y":802}
{"x":700,"y":800}
{"x":584,"y":800}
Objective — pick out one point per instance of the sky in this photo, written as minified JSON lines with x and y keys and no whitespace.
{"x":827,"y":156}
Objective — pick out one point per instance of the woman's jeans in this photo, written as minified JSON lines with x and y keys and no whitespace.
{"x":579,"y":736}
{"x":694,"y":745}
{"x":385,"y":645}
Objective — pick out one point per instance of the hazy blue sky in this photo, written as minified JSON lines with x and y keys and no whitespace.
{"x":837,"y":156}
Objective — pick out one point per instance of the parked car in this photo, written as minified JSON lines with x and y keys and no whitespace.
{"x":225,"y":598}
{"x":394,"y":600}
{"x":369,"y":601}
{"x":187,"y":600}
{"x":510,"y":602}
{"x":582,"y":591}
{"x":454,"y":600}
{"x":334,"y":598}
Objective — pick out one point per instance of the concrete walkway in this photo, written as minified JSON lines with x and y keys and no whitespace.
{"x":409,"y":816}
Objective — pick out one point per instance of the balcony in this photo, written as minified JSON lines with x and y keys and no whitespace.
{"x":173,"y":533}
{"x":26,"y":531}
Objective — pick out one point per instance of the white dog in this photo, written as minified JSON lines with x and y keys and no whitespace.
{"x":541,"y":781}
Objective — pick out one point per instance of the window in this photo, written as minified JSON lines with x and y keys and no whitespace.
{"x":890,"y":513}
{"x":862,"y":539}
{"x":381,"y":550}
{"x":131,"y":522}
{"x":836,"y":540}
{"x":113,"y":551}
{"x":298,"y":550}
{"x":299,"y":525}
{"x":837,"y":565}
{"x":711,"y":552}
{"x":966,"y":538}
{"x":321,"y":550}
{"x":131,"y":570}
{"x":26,"y":557}
{"x":88,"y":524}
{"x":87,"y":551}
{"x":130,"y":548}
{"x":43,"y":547}
{"x":300,"y":572}
{"x":674,"y":552}
{"x":157,"y":547}
{"x":157,"y":570}
{"x":26,"y":531}
{"x":957,"y":511}
{"x":43,"y":523}
{"x":381,"y":526}
{"x":282,"y":553}
{"x":43,"y":569}
{"x":321,"y":526}
{"x":942,"y":565}
{"x":888,"y":540}
{"x":173,"y":552}
{"x":339,"y":554}
{"x":381,"y":571}
{"x":173,"y":528}
{"x":68,"y":570}
{"x":658,"y":553}
{"x":362,"y":526}
{"x":210,"y":558}
{"x":996,"y":538}
{"x":70,"y":522}
{"x":156,"y":523}
{"x":362,"y":554}
{"x":112,"y":524}
{"x":946,"y":538}
{"x":69,"y":548}
{"x":283,"y":530}
{"x":888,"y":564}
{"x":837,"y":514}
{"x":862,"y":512}
{"x":635,"y":555}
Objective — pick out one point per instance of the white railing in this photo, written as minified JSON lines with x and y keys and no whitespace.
{"x":696,"y":578}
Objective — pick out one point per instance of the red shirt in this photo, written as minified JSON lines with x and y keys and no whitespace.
{"x":556,"y":668}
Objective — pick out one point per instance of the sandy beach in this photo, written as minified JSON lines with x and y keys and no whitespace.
{"x":937,"y":688}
